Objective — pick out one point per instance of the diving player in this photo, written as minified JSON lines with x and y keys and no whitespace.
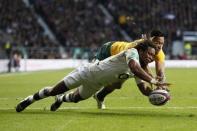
{"x":113,"y":48}
{"x":90,"y":78}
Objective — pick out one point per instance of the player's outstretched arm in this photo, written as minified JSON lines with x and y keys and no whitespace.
{"x":148,"y":70}
{"x":144,"y":89}
{"x":160,"y":65}
{"x":139,"y":72}
{"x":160,"y":69}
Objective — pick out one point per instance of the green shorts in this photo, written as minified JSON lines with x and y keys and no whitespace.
{"x":104,"y":52}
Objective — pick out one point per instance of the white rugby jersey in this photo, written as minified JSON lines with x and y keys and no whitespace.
{"x":113,"y":69}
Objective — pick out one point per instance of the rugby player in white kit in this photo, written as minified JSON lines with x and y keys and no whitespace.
{"x":88,"y":79}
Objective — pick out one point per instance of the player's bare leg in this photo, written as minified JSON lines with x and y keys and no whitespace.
{"x":101,"y":94}
{"x":70,"y":97}
{"x":59,"y":88}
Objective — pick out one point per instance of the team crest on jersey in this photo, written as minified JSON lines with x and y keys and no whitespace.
{"x":123,"y":76}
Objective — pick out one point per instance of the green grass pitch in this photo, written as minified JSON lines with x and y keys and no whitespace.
{"x":127,"y":109}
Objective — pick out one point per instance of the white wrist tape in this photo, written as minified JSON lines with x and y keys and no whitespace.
{"x":154,"y":81}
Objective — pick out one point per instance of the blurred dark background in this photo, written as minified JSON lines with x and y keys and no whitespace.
{"x":57,"y":29}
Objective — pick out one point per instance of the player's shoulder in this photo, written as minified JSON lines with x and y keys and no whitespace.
{"x":160,"y":56}
{"x":160,"y":53}
{"x":132,"y":54}
{"x":132,"y":50}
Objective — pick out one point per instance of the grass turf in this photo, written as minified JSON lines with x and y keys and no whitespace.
{"x":126,"y":109}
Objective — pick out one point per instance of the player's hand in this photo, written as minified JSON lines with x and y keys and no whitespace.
{"x":163,"y":88}
{"x":146,"y":37}
{"x":159,"y":83}
{"x":163,"y":84}
{"x":159,"y":78}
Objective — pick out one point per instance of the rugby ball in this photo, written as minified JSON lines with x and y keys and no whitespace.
{"x":159,"y":97}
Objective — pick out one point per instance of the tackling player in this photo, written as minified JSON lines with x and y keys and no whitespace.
{"x":90,"y":78}
{"x":112,"y":48}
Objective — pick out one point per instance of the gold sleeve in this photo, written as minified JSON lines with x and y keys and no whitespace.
{"x":119,"y":46}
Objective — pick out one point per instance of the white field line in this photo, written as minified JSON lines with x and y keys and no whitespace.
{"x":1,"y":99}
{"x":113,"y":108}
{"x":15,"y":74}
{"x":64,"y":125}
{"x":26,"y":73}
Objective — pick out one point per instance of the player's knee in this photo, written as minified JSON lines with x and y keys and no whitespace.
{"x":58,"y":89}
{"x":118,"y":87}
{"x":52,"y":93}
{"x":47,"y":91}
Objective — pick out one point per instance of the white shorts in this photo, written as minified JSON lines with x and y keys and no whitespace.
{"x":80,"y":78}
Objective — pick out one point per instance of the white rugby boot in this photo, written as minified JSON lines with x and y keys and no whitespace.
{"x":100,"y":104}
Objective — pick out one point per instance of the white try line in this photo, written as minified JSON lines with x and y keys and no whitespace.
{"x":112,"y":108}
{"x":27,"y":73}
{"x":15,"y":74}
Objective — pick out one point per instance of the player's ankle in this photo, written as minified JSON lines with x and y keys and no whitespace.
{"x":99,"y":97}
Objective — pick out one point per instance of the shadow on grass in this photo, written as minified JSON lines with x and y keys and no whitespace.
{"x":141,"y":113}
{"x":102,"y":113}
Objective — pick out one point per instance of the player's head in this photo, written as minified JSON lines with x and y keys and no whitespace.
{"x":147,"y":51}
{"x":157,"y":38}
{"x":156,"y":33}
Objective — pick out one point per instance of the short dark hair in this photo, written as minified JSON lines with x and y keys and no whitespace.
{"x":156,"y":33}
{"x":144,"y":46}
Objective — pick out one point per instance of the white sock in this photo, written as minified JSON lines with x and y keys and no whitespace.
{"x":66,"y":98}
